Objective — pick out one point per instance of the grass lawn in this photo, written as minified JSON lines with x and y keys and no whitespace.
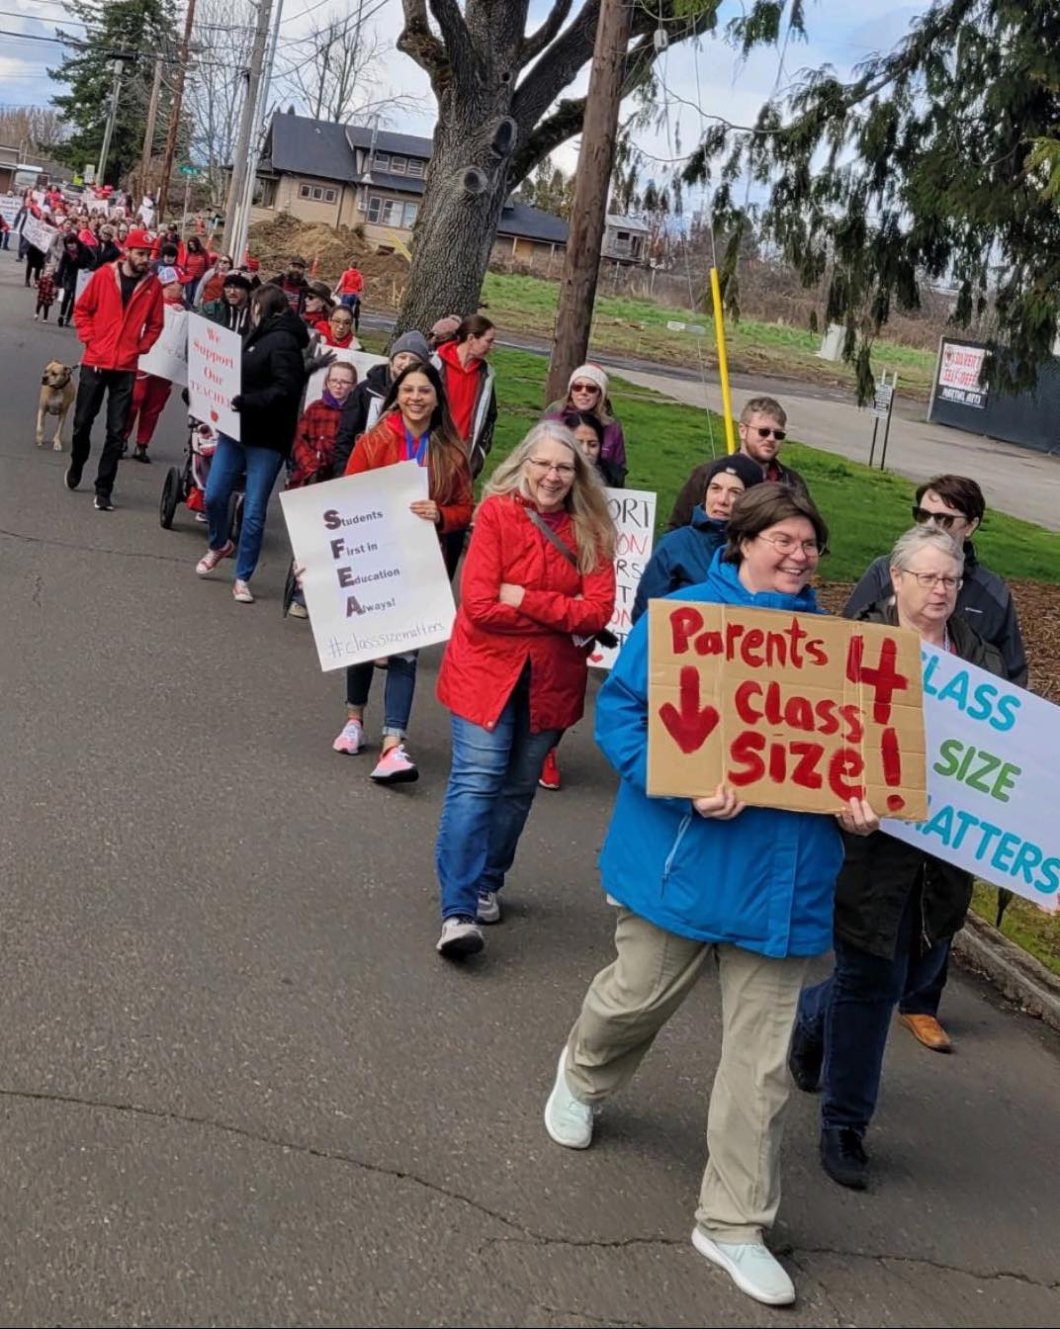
{"x":1030,"y":928}
{"x":865,"y":510}
{"x":638,"y":327}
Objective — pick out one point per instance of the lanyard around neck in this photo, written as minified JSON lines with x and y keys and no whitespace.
{"x":416,"y":449}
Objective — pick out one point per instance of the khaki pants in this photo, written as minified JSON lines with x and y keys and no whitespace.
{"x":630,"y":1001}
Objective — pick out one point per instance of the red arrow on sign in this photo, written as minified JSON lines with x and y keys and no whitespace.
{"x":689,"y":725}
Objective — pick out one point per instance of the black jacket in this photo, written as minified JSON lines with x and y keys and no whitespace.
{"x":984,"y":600}
{"x":879,"y":872}
{"x":695,"y":489}
{"x":71,"y":264}
{"x":234,"y":317}
{"x":360,"y":413}
{"x":273,"y":379}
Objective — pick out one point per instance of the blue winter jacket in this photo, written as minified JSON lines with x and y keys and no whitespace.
{"x":681,"y":558}
{"x":764,"y":881}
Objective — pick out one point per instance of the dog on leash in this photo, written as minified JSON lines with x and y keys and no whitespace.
{"x":57,"y":395}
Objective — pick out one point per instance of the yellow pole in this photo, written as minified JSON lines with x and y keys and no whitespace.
{"x":723,"y":362}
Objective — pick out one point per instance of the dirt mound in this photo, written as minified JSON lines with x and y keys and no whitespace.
{"x":330,"y":248}
{"x":1038,"y":607}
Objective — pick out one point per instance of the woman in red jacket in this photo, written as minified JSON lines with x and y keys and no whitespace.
{"x":538,"y":583}
{"x":414,"y":429}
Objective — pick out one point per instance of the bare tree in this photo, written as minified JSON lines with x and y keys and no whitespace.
{"x":332,"y":73}
{"x":223,"y":35}
{"x":34,"y":129}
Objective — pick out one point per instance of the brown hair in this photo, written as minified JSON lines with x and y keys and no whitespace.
{"x":764,"y":506}
{"x":959,"y":492}
{"x":764,"y":406}
{"x":475,"y":325}
{"x":446,"y":456}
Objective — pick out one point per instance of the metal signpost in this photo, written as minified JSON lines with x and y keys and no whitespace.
{"x":882,"y":406}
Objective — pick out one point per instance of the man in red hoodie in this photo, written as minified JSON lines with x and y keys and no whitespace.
{"x":118,"y":319}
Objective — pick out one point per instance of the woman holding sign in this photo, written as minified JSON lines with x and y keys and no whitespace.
{"x":747,"y":889}
{"x":415,"y":429}
{"x":537,"y":584}
{"x":892,"y":899}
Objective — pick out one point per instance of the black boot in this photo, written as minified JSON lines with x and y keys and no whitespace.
{"x":805,"y":1060}
{"x":843,"y":1157}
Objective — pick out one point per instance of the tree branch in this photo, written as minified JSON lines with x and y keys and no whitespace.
{"x":458,"y":43}
{"x":564,"y":122}
{"x":532,"y":46}
{"x":419,"y":43}
{"x":556,"y":68}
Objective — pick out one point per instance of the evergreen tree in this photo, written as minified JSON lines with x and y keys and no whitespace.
{"x":134,"y":29}
{"x":922,"y":168}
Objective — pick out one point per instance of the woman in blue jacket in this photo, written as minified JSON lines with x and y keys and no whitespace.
{"x":708,"y":878}
{"x":683,"y":557}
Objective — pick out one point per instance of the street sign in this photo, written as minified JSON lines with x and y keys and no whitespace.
{"x":190,"y":171}
{"x":882,"y":399}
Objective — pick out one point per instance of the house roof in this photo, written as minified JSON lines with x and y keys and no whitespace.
{"x":403,"y":184}
{"x":531,"y":223}
{"x":627,"y":223}
{"x":405,"y":145}
{"x":310,"y":147}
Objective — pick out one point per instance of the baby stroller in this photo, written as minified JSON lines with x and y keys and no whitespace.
{"x":187,"y":484}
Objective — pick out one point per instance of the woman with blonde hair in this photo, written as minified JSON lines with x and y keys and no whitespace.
{"x":538,"y":583}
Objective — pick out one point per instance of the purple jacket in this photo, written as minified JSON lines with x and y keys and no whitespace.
{"x":613,"y":448}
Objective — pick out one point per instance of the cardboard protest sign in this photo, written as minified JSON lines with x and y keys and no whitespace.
{"x":795,"y":711}
{"x":168,"y":357}
{"x":633,"y":512}
{"x":362,"y":361}
{"x":215,"y":356}
{"x":991,"y":773}
{"x":375,"y":581}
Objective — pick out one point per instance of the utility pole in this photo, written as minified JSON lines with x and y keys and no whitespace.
{"x":149,"y":131}
{"x":176,"y":111}
{"x":246,"y":202}
{"x":117,"y":68}
{"x":581,"y":264}
{"x":240,"y":158}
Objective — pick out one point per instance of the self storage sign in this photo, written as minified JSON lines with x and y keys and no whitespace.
{"x":795,"y":711}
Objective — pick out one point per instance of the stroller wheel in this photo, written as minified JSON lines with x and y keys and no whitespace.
{"x":289,"y":588}
{"x":235,"y":517}
{"x":167,"y":507}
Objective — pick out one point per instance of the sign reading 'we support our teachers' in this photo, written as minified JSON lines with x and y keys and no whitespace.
{"x":991,"y":754}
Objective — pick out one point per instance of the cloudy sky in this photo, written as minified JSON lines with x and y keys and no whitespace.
{"x":839,"y":33}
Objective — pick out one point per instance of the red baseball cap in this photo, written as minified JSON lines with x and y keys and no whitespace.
{"x":139,"y":239}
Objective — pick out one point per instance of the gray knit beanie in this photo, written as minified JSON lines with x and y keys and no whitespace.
{"x":413,"y":342}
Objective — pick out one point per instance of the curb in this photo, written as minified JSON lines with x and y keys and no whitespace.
{"x":1019,"y":976}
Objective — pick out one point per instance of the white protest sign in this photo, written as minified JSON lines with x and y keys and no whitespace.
{"x":38,"y":233}
{"x":991,"y":777}
{"x":362,"y":361}
{"x":375,"y":581}
{"x":633,"y":512}
{"x":215,"y":356}
{"x":84,"y":276}
{"x":10,"y":205}
{"x":168,"y":357}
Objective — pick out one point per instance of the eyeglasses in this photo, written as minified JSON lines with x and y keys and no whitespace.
{"x":564,"y":470}
{"x":779,"y":434}
{"x":943,"y":519}
{"x":784,"y":544}
{"x":929,"y":580}
{"x":584,"y":387}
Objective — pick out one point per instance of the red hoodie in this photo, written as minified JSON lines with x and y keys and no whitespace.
{"x":461,"y":387}
{"x":115,"y":338}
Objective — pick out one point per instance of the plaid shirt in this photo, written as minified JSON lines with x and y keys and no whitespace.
{"x":314,"y":445}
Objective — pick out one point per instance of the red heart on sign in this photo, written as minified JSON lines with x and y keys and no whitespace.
{"x":214,"y":416}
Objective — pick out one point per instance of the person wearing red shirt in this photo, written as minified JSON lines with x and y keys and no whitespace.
{"x":350,"y":290}
{"x":150,"y":391}
{"x":415,"y":429}
{"x":538,"y":583}
{"x":118,"y":318}
{"x":338,"y":330}
{"x":468,"y":383}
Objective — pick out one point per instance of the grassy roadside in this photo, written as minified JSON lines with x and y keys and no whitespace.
{"x":639,"y":327}
{"x":1031,"y":929}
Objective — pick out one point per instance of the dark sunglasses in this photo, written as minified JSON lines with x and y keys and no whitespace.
{"x":779,"y":434}
{"x":942,"y":519}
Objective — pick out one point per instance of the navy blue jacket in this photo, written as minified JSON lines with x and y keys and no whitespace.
{"x":681,"y":558}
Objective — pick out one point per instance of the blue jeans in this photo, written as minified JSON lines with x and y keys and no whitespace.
{"x":397,"y":695}
{"x":927,"y":978}
{"x":230,"y":461}
{"x":850,"y":1014}
{"x":487,"y":801}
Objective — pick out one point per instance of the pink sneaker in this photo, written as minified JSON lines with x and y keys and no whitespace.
{"x":212,"y":557}
{"x":351,"y":740}
{"x":395,"y":767}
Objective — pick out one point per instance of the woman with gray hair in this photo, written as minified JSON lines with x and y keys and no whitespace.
{"x":892,"y":899}
{"x":537,"y":584}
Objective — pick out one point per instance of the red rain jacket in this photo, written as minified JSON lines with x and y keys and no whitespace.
{"x":384,"y":445}
{"x":115,"y":338}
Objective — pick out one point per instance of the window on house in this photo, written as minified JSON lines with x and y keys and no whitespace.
{"x":622,"y":237}
{"x":304,"y":191}
{"x":416,"y":167}
{"x":330,"y":195}
{"x":412,"y":211}
{"x":375,"y":205}
{"x":397,"y":165}
{"x":380,"y":161}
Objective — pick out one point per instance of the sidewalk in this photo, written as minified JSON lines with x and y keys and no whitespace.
{"x":1015,"y":480}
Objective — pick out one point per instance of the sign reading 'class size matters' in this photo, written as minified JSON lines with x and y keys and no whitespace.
{"x":794,"y":711}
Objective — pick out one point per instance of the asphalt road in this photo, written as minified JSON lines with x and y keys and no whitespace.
{"x":238,"y":1087}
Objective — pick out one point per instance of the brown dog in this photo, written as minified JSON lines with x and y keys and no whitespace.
{"x":56,"y":397}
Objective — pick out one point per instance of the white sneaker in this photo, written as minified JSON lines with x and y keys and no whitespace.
{"x":212,"y":557}
{"x":242,"y":592}
{"x":750,"y":1265}
{"x":568,"y":1120}
{"x":460,"y":937}
{"x":489,"y":907}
